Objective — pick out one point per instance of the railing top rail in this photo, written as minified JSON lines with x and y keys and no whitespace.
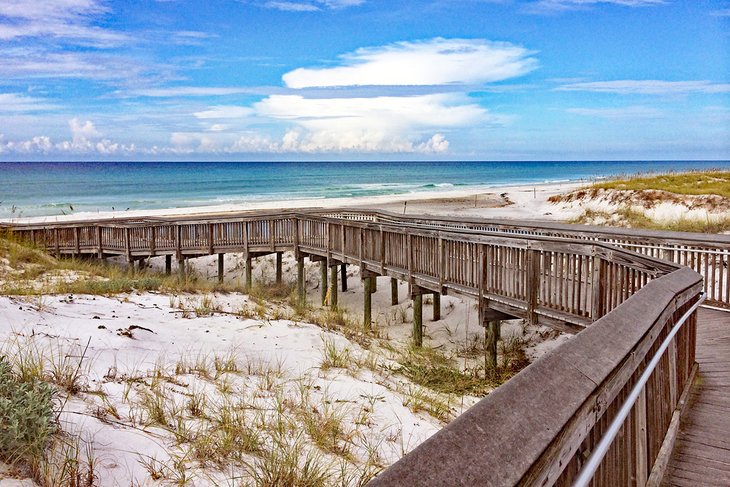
{"x":569,"y":379}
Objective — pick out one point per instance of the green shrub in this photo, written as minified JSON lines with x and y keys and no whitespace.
{"x":26,"y":416}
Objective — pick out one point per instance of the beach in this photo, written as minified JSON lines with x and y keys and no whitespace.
{"x":510,"y":201}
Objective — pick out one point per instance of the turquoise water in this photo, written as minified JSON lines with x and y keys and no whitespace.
{"x":38,"y":188}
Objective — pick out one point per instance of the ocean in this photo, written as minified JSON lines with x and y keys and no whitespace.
{"x":46,"y":189}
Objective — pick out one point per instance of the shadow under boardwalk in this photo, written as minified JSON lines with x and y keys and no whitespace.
{"x":701,"y":455}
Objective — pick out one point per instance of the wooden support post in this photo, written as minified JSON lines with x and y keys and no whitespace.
{"x":181,"y":266}
{"x":533,"y":284}
{"x":333,"y":287}
{"x":278,"y":268}
{"x":323,"y":280}
{"x":367,"y":308}
{"x":141,"y":264}
{"x":221,"y":269}
{"x":374,"y":284}
{"x":127,"y":245}
{"x":98,"y":241}
{"x":77,"y":242}
{"x":168,"y":264}
{"x":56,"y":243}
{"x":598,"y":285}
{"x":248,"y":271}
{"x":418,"y":320}
{"x":436,"y":306}
{"x":343,"y":276}
{"x":300,"y":280}
{"x":393,"y":291}
{"x":491,"y":337}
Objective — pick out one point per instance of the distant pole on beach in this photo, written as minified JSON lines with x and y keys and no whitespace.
{"x":405,"y":205}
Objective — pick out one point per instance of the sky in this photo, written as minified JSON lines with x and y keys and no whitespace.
{"x":364,"y":80}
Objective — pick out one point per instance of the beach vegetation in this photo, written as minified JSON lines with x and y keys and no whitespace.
{"x":686,"y":183}
{"x":631,"y":218}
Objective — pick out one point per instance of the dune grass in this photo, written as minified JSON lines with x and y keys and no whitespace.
{"x":627,"y":217}
{"x":685,"y":183}
{"x":31,"y":271}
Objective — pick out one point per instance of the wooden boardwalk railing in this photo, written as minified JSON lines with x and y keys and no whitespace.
{"x":539,"y":428}
{"x":707,"y":254}
{"x":548,"y":280}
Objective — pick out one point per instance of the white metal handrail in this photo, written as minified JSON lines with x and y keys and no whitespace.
{"x":596,"y":457}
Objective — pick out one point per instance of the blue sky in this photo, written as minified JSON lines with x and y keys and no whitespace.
{"x":364,"y":79}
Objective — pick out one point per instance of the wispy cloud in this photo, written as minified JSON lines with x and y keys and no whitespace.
{"x":18,"y":103}
{"x":71,"y":20}
{"x":432,"y":62}
{"x":312,"y":5}
{"x":618,"y":113}
{"x":723,"y":12}
{"x":551,"y":6}
{"x":223,"y":112}
{"x":648,"y":87}
{"x":190,"y":91}
{"x":30,"y":63}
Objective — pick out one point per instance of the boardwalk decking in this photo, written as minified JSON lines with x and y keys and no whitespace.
{"x":701,"y":455}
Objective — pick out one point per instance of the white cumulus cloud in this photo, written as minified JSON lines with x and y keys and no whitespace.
{"x":379,"y":124}
{"x":432,"y":62}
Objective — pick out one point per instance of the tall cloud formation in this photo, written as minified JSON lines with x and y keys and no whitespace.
{"x":436,"y":61}
{"x":380,"y":124}
{"x":390,"y":123}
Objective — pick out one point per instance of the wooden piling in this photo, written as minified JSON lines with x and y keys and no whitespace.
{"x":323,"y":280}
{"x":418,"y":320}
{"x":343,"y":277}
{"x":181,"y":266}
{"x":300,"y":280}
{"x":221,"y":271}
{"x":393,"y":291}
{"x":168,"y":264}
{"x":248,"y":273}
{"x":278,"y":268}
{"x":492,"y":332}
{"x":333,"y":287}
{"x":436,"y":306}
{"x":367,"y":309}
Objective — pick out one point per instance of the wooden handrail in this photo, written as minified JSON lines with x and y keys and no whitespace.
{"x":538,"y":428}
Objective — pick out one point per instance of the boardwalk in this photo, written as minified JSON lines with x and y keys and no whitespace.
{"x":541,"y":426}
{"x":701,"y":455}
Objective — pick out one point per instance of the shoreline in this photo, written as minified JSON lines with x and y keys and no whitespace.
{"x":527,"y":201}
